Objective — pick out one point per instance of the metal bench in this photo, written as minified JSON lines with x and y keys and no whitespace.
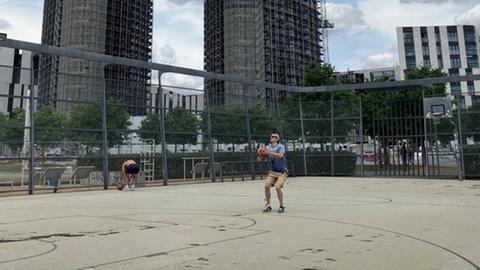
{"x":51,"y":177}
{"x":7,"y":183}
{"x":82,"y":172}
{"x":199,"y":168}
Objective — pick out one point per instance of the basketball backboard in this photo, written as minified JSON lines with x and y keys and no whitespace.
{"x":437,"y":107}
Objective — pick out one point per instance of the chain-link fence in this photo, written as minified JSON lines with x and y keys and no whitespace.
{"x":92,"y":112}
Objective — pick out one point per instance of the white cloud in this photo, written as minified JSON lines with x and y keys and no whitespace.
{"x":4,"y":24}
{"x":434,"y":1}
{"x":178,"y":32}
{"x":344,"y":15}
{"x":386,"y":17}
{"x":24,"y":22}
{"x":188,"y":82}
{"x":165,"y":55}
{"x":162,"y":4}
{"x":182,"y":11}
{"x":471,"y":16}
{"x":178,"y":39}
{"x":380,"y":60}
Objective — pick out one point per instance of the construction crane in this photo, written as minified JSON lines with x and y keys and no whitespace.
{"x":325,"y":26}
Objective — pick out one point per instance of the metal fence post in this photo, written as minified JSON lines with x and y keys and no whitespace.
{"x":362,"y":169}
{"x":210,"y":137}
{"x":249,"y":131}
{"x":31,"y":167}
{"x":162,"y":127}
{"x":460,"y":143}
{"x":303,"y":136}
{"x":279,"y":116}
{"x":104,"y":138}
{"x":425,"y":150}
{"x":331,"y":135}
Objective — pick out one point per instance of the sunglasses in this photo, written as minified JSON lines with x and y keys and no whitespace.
{"x":274,"y":137}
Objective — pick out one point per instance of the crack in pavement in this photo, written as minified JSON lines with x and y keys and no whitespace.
{"x":41,"y":237}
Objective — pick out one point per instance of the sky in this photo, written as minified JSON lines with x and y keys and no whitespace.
{"x":363,"y":37}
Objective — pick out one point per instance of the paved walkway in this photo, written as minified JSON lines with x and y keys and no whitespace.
{"x":330,"y":223}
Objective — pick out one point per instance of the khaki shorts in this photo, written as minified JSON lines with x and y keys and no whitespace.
{"x":276,"y":179}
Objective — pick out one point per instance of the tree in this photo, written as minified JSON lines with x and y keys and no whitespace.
{"x":86,"y":124}
{"x":3,"y":129}
{"x":228,"y":125}
{"x":86,"y":116}
{"x":3,"y":126}
{"x":316,"y":107}
{"x":13,"y":130}
{"x":49,"y":126}
{"x":150,"y":128}
{"x":424,"y":73}
{"x":317,"y":74}
{"x":471,"y":122}
{"x":181,"y":127}
{"x":387,"y":104}
{"x":262,"y":123}
{"x":381,"y":107}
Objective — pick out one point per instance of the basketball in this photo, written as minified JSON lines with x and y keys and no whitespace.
{"x":262,"y":152}
{"x":120,"y":186}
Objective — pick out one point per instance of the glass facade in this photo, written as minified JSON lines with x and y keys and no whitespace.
{"x":426,"y":50}
{"x":456,"y":89}
{"x":455,"y":62}
{"x":454,"y":49}
{"x":452,"y":36}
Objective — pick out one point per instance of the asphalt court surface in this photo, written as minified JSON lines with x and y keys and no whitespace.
{"x":329,"y":223}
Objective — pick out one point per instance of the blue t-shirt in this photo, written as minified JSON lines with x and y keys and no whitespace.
{"x":278,"y":165}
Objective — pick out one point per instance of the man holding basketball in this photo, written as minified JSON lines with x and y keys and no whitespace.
{"x":278,"y":174}
{"x":130,"y":170}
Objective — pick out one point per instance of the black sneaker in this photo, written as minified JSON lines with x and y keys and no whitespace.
{"x":267,"y":209}
{"x":281,"y":209}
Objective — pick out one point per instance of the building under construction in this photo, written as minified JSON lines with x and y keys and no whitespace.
{"x":258,"y":39}
{"x":114,"y":27}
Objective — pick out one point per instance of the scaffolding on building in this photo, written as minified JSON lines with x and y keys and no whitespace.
{"x":325,"y":26}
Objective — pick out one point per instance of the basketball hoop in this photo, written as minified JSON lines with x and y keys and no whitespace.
{"x":437,"y":107}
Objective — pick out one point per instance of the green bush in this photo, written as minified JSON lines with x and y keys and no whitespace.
{"x":318,"y":163}
{"x":471,"y":157}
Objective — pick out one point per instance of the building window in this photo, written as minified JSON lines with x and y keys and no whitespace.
{"x":426,"y":50}
{"x":410,"y":51}
{"x":471,"y":49}
{"x":452,"y":37}
{"x":454,"y":49}
{"x":390,"y":74}
{"x":472,"y":56}
{"x":437,"y":37}
{"x":456,"y":89}
{"x":408,"y":38}
{"x":471,"y":88}
{"x":440,"y":62}
{"x":455,"y":62}
{"x":472,"y":62}
{"x":427,"y":63}
{"x":424,"y":36}
{"x":470,"y":37}
{"x":411,"y":64}
{"x":439,"y":50}
{"x":454,"y":72}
